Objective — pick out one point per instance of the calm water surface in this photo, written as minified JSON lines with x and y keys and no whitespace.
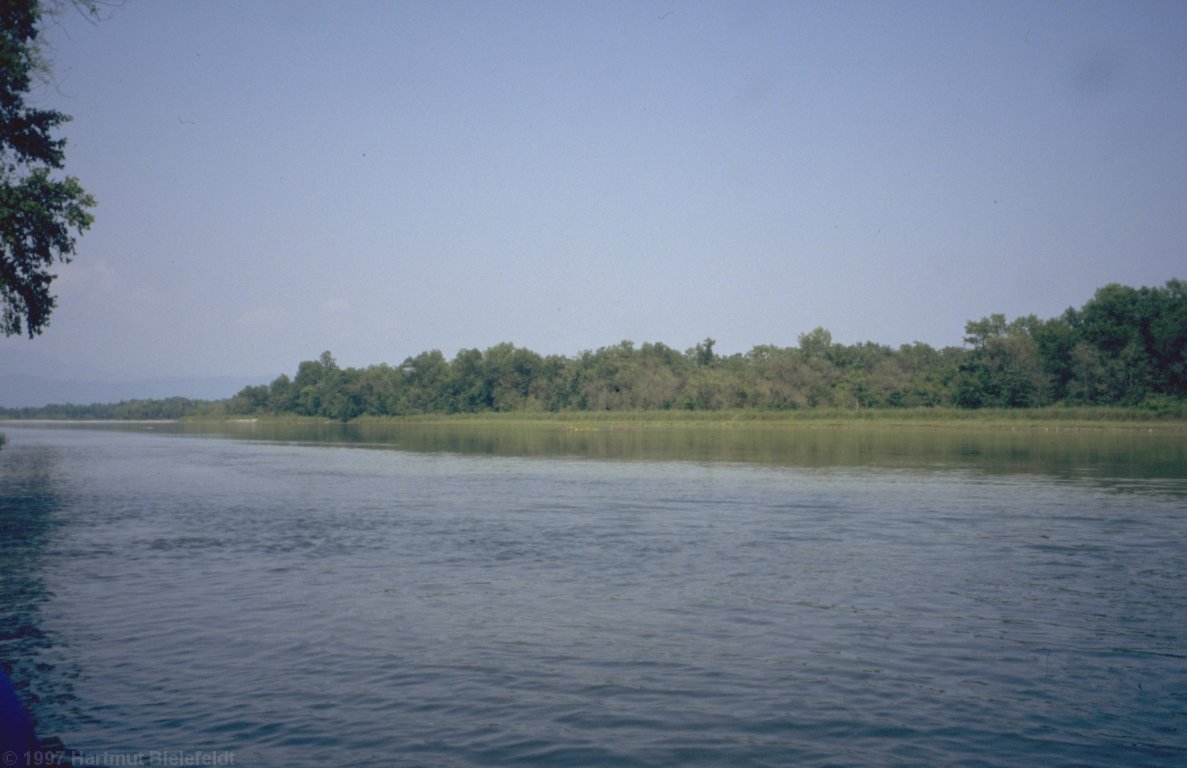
{"x":820,"y":597}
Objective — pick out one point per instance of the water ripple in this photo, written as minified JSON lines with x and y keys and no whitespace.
{"x":307,"y":606}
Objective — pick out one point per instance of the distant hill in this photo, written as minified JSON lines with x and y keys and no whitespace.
{"x":20,"y":390}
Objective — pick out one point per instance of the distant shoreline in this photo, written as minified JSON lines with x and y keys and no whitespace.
{"x":1055,"y":419}
{"x":824,"y":419}
{"x":19,"y":422}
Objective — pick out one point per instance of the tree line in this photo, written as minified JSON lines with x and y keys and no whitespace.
{"x":1125,"y":346}
{"x":165,"y":409}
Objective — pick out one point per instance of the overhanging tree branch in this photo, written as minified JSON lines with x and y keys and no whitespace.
{"x":40,"y":215}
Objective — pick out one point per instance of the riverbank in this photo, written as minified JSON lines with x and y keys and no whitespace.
{"x":1053,"y":418}
{"x":1009,"y":419}
{"x":68,"y":422}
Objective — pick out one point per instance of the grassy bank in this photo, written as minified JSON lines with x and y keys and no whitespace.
{"x":1062,"y":418}
{"x":1091,"y":417}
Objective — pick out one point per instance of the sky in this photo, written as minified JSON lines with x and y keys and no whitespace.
{"x":378,"y":179}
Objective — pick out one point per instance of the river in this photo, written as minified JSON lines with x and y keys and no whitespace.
{"x":431,"y":596}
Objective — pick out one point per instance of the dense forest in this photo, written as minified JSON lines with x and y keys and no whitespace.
{"x":1125,"y":346}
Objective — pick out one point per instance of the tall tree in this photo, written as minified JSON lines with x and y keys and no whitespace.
{"x":1003,"y":370}
{"x":40,"y":212}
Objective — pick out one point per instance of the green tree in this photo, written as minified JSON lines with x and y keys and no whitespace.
{"x":1137,"y":340}
{"x":427,"y":379}
{"x":816,"y":343}
{"x":1003,"y":370}
{"x":282,"y":394}
{"x":776,"y":373}
{"x":380,"y":388}
{"x":702,"y":353}
{"x":912,"y":377}
{"x":469,"y":388}
{"x":342,"y":394}
{"x":658,"y":376}
{"x":314,"y":379}
{"x":40,"y":213}
{"x":1168,"y":332}
{"x":605,"y":377}
{"x":251,"y":399}
{"x":1056,"y":344}
{"x":511,"y":371}
{"x":555,"y":386}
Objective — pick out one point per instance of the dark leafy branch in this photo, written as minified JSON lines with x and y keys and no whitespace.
{"x":40,"y":212}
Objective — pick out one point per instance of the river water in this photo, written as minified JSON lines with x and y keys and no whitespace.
{"x":464,"y":597}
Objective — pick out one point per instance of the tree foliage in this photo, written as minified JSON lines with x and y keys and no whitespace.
{"x":1125,"y":346}
{"x":40,"y":212}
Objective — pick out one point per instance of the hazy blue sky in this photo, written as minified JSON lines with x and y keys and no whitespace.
{"x":382,"y":178}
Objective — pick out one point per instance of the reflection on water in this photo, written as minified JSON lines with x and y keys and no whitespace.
{"x":30,"y":653}
{"x":1103,"y":455}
